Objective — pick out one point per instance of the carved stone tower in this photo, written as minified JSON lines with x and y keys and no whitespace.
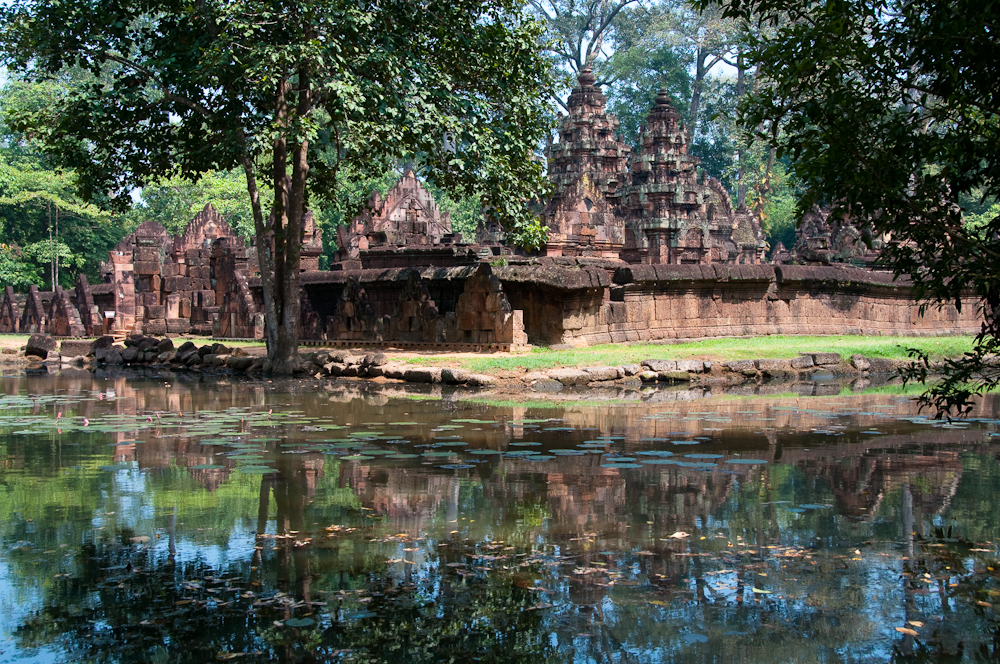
{"x":587,"y":165}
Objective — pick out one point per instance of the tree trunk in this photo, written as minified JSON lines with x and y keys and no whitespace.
{"x":701,"y":54}
{"x":741,"y":156}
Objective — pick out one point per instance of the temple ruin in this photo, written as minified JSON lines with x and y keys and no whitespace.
{"x":641,"y":245}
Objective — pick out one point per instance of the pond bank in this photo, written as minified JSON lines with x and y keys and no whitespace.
{"x":806,"y":368}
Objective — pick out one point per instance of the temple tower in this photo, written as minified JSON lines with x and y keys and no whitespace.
{"x":587,"y":165}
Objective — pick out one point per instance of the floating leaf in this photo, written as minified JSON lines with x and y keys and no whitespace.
{"x":299,"y":622}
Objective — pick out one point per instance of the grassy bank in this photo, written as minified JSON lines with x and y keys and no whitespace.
{"x":773,"y":347}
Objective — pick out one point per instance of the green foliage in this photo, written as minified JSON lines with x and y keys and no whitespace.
{"x":892,"y":108}
{"x":779,"y":215}
{"x":36,"y":198}
{"x":175,"y":201}
{"x":14,"y":271}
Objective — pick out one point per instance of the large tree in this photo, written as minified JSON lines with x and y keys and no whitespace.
{"x":889,"y":110}
{"x":181,"y":88}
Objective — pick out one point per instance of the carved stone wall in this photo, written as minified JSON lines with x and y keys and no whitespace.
{"x":10,"y":311}
{"x":238,"y":314}
{"x":90,"y":314}
{"x":821,"y":239}
{"x":64,"y":319}
{"x":645,"y":302}
{"x":34,"y":318}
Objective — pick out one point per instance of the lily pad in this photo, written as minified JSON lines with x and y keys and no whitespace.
{"x":257,"y":470}
{"x":299,"y":622}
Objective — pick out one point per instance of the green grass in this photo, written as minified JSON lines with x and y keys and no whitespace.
{"x":770,"y":347}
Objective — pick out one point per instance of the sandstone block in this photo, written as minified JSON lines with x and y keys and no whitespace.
{"x":774,"y":367}
{"x":802,"y":362}
{"x":570,"y":376}
{"x":156,"y":311}
{"x":480,"y":380}
{"x":422,"y":375}
{"x":602,"y":373}
{"x":175,"y":326}
{"x":374,"y":360}
{"x":40,"y":345}
{"x":691,"y":366}
{"x":239,"y":363}
{"x":860,"y":362}
{"x":745,"y":367}
{"x":75,"y":348}
{"x":632,"y":369}
{"x":176,"y":284}
{"x":822,"y":359}
{"x":146,"y":268}
{"x":107,"y":341}
{"x":155,"y":326}
{"x":454,"y":376}
{"x":660,"y":365}
{"x":649,"y":376}
{"x":396,"y":371}
{"x":884,"y":366}
{"x":673,"y":376}
{"x":109,"y":356}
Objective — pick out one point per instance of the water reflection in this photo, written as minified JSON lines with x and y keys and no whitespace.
{"x":192,"y":521}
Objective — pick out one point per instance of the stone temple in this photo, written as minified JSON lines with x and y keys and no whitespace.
{"x":642,"y":245}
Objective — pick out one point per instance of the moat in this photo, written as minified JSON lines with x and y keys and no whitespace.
{"x":207,"y":519}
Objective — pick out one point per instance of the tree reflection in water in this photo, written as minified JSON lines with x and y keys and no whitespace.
{"x":841,"y":547}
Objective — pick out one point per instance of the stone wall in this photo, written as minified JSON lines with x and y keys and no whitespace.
{"x":577,"y":305}
{"x":464,"y":305}
{"x":10,"y":311}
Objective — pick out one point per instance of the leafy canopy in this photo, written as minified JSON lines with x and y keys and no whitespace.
{"x":890,"y":111}
{"x":180,"y":89}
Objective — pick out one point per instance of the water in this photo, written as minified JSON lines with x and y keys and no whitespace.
{"x":215,"y":520}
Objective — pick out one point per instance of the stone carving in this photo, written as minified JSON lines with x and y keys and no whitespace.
{"x":652,"y":206}
{"x":34,"y":318}
{"x":587,"y":167}
{"x":674,"y":213}
{"x":10,"y":311}
{"x":90,"y":314}
{"x":483,"y":314}
{"x":63,"y":316}
{"x":406,"y":229}
{"x":407,"y":216}
{"x":353,"y":316}
{"x":415,"y":316}
{"x":821,"y":239}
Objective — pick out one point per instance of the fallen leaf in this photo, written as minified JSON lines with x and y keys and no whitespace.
{"x":680,"y":534}
{"x":907,"y":631}
{"x":762,"y":592}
